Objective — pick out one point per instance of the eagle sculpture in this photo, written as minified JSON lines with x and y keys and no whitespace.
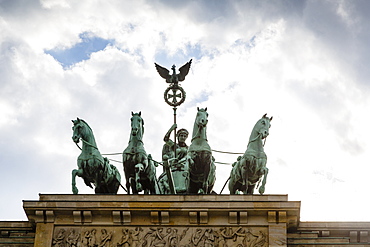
{"x":174,"y":78}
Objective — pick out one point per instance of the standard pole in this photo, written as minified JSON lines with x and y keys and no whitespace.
{"x":168,"y":167}
{"x":175,"y":135}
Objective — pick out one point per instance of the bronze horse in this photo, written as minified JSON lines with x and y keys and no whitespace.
{"x":249,"y":168}
{"x":139,"y":170}
{"x":201,"y":165}
{"x":92,"y":167}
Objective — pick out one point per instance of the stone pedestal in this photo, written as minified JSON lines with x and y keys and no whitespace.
{"x":162,"y":220}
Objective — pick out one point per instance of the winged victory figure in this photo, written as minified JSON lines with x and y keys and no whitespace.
{"x":174,"y":78}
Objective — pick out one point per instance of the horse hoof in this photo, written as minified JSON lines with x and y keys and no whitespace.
{"x":261,"y":190}
{"x":139,"y":188}
{"x":75,"y":191}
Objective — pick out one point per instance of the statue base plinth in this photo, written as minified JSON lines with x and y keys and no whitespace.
{"x":162,"y":220}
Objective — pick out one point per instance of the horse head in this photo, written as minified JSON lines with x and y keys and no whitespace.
{"x":137,"y":125}
{"x":202,"y":117}
{"x":262,"y":127}
{"x":79,"y":130}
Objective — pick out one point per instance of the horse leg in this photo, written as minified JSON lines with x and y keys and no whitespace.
{"x":114,"y":182}
{"x":206,"y":171}
{"x":98,"y":190}
{"x":139,"y":170}
{"x":232,"y":185}
{"x":153,"y":187}
{"x":242,"y":167}
{"x":132,"y":182}
{"x":211,"y":177}
{"x":128,"y":185}
{"x":99,"y":183}
{"x":75,"y":173}
{"x":261,"y":190}
{"x":247,"y":188}
{"x":250,"y":189}
{"x":193,"y":187}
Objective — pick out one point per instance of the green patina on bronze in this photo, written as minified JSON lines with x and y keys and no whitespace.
{"x":92,"y":167}
{"x":175,"y":167}
{"x":139,"y":168}
{"x":250,"y":167}
{"x":201,"y":163}
{"x":186,"y":170}
{"x":192,"y":168}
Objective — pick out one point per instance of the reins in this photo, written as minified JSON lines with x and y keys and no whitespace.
{"x":259,"y":134}
{"x":88,"y":143}
{"x":197,"y":135}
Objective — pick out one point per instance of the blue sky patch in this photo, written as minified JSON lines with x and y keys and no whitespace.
{"x":81,"y":51}
{"x":180,"y":57}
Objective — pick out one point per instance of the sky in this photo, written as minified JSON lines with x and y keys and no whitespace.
{"x":306,"y":63}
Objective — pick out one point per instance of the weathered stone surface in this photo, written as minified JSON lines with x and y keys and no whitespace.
{"x":162,"y":220}
{"x":330,"y":234}
{"x":16,"y":234}
{"x":177,"y":220}
{"x":160,"y":236}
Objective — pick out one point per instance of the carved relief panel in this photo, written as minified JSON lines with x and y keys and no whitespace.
{"x":160,"y":236}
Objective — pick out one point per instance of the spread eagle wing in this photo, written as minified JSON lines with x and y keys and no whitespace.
{"x":184,"y":70}
{"x":163,"y":72}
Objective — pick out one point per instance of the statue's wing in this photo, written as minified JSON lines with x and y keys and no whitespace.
{"x":184,"y":70}
{"x":163,"y":72}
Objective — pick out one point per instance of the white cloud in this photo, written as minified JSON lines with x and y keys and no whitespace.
{"x":252,"y":58}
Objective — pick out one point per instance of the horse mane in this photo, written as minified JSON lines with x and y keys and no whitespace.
{"x":86,"y":124}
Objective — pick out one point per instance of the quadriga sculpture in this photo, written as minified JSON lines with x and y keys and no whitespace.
{"x":201,"y":165}
{"x":92,"y":167}
{"x":139,"y":169}
{"x":249,"y":168}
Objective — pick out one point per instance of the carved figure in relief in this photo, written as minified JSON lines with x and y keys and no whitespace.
{"x":258,"y":240}
{"x":209,"y":238}
{"x":105,"y":238}
{"x":72,"y":239}
{"x":173,"y":239}
{"x":85,"y":239}
{"x":124,"y":239}
{"x":250,"y":168}
{"x":92,"y":239}
{"x":139,"y":169}
{"x":134,"y":235}
{"x":161,"y":237}
{"x":197,"y":237}
{"x":59,"y":240}
{"x":154,"y":237}
{"x":227,"y":233}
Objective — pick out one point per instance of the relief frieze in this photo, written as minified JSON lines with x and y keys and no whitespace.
{"x":160,"y":237}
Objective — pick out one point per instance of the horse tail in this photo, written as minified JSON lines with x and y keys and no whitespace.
{"x":111,"y":176}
